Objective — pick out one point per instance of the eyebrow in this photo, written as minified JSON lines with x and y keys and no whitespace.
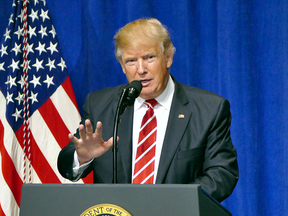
{"x":152,"y":52}
{"x":148,"y":53}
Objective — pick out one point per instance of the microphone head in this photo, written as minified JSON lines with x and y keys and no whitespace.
{"x":136,"y":85}
{"x":133,"y":91}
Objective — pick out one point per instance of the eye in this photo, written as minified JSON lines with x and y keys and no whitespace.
{"x":130,"y":61}
{"x":151,"y":58}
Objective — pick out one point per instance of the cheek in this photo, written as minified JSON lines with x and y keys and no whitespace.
{"x":130,"y":74}
{"x":125,"y":69}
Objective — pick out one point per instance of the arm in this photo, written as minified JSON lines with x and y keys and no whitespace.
{"x":220,"y":168}
{"x":98,"y":109}
{"x":88,"y":146}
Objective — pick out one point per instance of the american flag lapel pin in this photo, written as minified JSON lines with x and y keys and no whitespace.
{"x":181,"y":116}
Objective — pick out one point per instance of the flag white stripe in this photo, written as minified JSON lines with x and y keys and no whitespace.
{"x":7,"y":201}
{"x":46,"y":142}
{"x":66,"y":109}
{"x":12,"y":145}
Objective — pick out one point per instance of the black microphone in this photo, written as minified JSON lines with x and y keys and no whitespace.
{"x":130,"y":93}
{"x":127,"y":98}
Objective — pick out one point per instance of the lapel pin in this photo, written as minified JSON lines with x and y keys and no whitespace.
{"x":181,"y":116}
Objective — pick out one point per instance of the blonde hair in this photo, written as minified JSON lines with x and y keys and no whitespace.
{"x":145,"y":32}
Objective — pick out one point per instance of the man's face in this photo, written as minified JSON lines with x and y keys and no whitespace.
{"x":149,"y":66}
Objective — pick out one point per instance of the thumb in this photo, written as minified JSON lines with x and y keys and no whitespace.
{"x":109,"y":143}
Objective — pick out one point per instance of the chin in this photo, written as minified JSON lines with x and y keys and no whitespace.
{"x":145,"y":94}
{"x":147,"y":97}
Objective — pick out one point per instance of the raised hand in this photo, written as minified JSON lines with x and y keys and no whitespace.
{"x":90,"y":145}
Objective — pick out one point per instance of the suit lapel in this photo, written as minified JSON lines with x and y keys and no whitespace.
{"x":179,"y":117}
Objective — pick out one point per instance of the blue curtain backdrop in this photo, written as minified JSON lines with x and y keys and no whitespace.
{"x":238,"y":49}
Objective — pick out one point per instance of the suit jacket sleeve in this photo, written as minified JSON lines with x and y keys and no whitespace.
{"x":198,"y":148}
{"x":220,"y":168}
{"x":66,"y":155}
{"x":97,"y":107}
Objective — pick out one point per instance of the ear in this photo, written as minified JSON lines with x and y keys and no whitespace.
{"x":169,"y":60}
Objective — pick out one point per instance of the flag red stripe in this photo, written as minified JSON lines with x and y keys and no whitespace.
{"x":8,"y":169}
{"x":58,"y":128}
{"x":69,"y":90}
{"x":38,"y":161}
{"x":55,"y":123}
{"x":88,"y":179}
{"x":41,"y":166}
{"x":1,"y":211}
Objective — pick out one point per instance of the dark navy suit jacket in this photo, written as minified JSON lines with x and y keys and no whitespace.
{"x":196,"y":148}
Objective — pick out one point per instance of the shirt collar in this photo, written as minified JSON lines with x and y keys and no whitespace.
{"x":164,"y":99}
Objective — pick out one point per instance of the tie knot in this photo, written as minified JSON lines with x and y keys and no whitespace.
{"x":152,"y":102}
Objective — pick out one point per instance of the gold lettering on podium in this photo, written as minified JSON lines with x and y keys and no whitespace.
{"x":105,"y":210}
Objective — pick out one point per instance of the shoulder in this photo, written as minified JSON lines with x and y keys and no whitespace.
{"x":199,"y":99}
{"x":103,"y":96}
{"x":106,"y":91}
{"x":194,"y":93}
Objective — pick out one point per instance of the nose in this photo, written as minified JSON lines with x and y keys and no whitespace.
{"x":141,"y":66}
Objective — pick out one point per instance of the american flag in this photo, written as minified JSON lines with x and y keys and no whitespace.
{"x":37,"y":104}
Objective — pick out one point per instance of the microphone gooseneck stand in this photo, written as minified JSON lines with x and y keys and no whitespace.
{"x":127,"y":99}
{"x":119,"y":111}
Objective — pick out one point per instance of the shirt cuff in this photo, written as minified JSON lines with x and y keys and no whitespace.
{"x":77,"y":169}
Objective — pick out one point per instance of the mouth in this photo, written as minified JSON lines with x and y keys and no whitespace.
{"x":145,"y":82}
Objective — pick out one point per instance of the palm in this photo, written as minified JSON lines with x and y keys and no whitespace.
{"x":90,"y":145}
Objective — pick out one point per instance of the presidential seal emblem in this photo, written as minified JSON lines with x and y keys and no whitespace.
{"x":105,"y":210}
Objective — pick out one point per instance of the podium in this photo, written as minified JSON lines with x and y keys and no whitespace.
{"x":138,"y":200}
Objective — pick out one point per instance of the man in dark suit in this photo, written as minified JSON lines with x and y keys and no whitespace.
{"x":193,"y":143}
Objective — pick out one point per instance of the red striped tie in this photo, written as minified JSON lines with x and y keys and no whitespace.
{"x":145,"y":156}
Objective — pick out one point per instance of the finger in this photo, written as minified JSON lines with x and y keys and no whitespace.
{"x":98,"y":130}
{"x":82,"y":132}
{"x":109,"y":143}
{"x":73,"y":138}
{"x":89,"y":128}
